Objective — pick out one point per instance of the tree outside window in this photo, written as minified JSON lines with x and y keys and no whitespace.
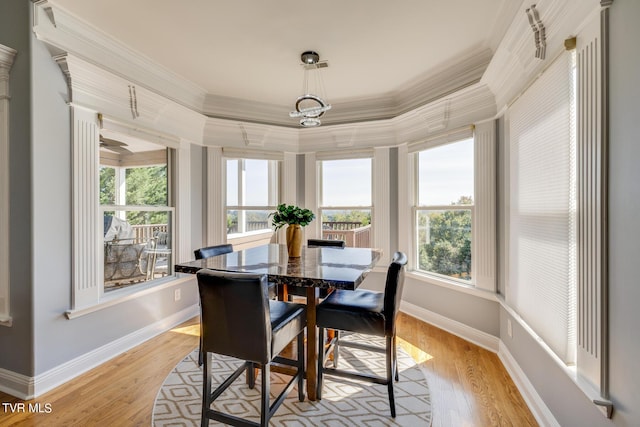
{"x":444,"y":209}
{"x":137,"y":232}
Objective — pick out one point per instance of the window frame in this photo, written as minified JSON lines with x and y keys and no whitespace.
{"x":274,"y":172}
{"x":484,"y":230}
{"x":416,"y":208}
{"x":320,"y":190}
{"x":120,"y":196}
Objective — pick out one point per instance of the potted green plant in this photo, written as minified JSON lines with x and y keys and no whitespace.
{"x":294,"y":218}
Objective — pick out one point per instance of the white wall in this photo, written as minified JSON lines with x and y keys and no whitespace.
{"x":624,"y":226}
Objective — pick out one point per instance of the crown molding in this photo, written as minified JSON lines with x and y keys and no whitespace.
{"x":65,"y":33}
{"x":97,"y":89}
{"x":514,"y":64}
{"x":7,"y":56}
{"x":454,"y":76}
{"x":245,"y":135}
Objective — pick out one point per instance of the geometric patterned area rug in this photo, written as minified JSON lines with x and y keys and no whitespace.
{"x":344,"y":402}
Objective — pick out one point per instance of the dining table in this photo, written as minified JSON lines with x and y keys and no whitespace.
{"x":316,"y":268}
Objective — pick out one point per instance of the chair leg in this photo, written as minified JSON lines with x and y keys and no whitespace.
{"x":389,"y":351}
{"x":321,"y":354}
{"x":265,"y":398}
{"x":251,"y":375}
{"x":206,"y":389}
{"x":200,"y":355}
{"x":301,"y":372}
{"x":336,"y":353}
{"x":395,"y":358}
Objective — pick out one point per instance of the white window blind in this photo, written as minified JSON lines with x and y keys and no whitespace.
{"x":542,"y":211}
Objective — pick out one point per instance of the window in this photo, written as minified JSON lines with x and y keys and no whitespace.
{"x":345,"y":200}
{"x":138,"y":227}
{"x":252,"y":194}
{"x":444,"y":209}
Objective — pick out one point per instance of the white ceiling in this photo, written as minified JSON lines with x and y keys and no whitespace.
{"x":250,"y":50}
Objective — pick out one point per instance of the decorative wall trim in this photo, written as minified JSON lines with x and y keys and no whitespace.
{"x":97,"y":88}
{"x":216,"y":197}
{"x":513,"y":65}
{"x":25,"y":387}
{"x":7,"y":56}
{"x":238,"y":134}
{"x":484,"y":214}
{"x":381,"y":203}
{"x":181,"y":199}
{"x":87,"y":247}
{"x":406,"y":192}
{"x":592,"y":199}
{"x":311,"y":194}
{"x":289,"y":179}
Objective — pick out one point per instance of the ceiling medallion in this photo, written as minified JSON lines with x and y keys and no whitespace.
{"x":310,"y":107}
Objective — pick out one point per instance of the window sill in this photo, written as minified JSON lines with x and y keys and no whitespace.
{"x":118,"y":297}
{"x":250,"y":237}
{"x":452,"y":284}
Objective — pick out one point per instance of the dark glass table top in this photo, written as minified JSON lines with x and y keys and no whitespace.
{"x":322,"y":267}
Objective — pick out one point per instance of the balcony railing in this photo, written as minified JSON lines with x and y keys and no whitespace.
{"x":146,"y":232}
{"x":354,"y":234}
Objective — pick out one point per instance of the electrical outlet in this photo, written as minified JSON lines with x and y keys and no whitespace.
{"x":509,"y":328}
{"x":176,"y":295}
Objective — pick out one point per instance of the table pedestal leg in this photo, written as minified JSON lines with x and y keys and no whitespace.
{"x":312,"y":340}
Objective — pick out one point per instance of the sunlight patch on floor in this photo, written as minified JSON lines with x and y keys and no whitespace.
{"x":188,"y":330}
{"x":417,"y":354}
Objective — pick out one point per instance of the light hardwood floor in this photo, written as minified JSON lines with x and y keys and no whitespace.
{"x":469,"y":386}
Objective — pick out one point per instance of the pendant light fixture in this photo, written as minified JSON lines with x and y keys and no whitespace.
{"x":311,"y":106}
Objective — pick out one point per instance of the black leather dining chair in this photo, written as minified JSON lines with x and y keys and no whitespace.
{"x":300,"y":291}
{"x":239,"y":320}
{"x":365,"y":312}
{"x":226,"y":248}
{"x":210,"y":251}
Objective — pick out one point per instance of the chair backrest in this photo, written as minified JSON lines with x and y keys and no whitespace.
{"x":210,"y":251}
{"x":235,"y":315}
{"x":312,"y":243}
{"x":393,"y":291}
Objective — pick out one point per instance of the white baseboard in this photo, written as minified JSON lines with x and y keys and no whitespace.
{"x":535,"y":403}
{"x":25,"y":387}
{"x":483,"y":339}
{"x":15,"y":384}
{"x":538,"y":408}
